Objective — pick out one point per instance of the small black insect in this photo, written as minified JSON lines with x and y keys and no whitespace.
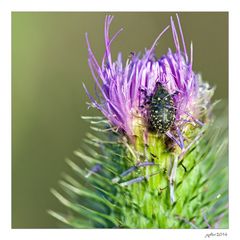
{"x":161,"y":110}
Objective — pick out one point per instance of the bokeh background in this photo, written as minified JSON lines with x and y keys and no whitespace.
{"x":49,"y":64}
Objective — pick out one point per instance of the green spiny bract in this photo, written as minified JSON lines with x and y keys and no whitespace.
{"x":104,"y":199}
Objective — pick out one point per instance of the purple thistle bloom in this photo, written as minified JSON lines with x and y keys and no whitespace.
{"x":122,"y":100}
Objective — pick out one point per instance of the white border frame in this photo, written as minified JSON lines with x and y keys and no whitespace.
{"x":7,"y":6}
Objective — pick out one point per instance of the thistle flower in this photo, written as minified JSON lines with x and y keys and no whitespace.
{"x":161,"y":169}
{"x":125,"y":88}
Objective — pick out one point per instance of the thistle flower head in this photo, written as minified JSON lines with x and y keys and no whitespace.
{"x":127,"y":90}
{"x":140,"y":178}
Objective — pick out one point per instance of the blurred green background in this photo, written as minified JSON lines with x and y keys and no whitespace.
{"x":49,"y":64}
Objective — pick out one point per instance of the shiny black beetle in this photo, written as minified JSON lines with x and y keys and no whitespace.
{"x":161,"y":110}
